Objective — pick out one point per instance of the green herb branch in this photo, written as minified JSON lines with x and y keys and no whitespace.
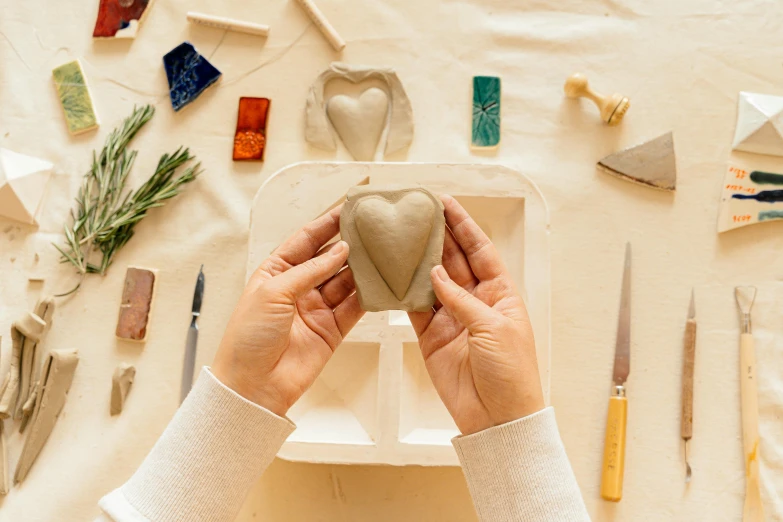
{"x":105,"y":213}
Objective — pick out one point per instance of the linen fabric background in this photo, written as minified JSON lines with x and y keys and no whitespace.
{"x":681,"y":63}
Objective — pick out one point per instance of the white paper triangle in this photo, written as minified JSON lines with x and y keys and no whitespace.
{"x":759,"y":124}
{"x":23,"y":181}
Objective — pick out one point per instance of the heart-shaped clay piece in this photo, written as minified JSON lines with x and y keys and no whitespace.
{"x":395,"y":236}
{"x":359,"y":121}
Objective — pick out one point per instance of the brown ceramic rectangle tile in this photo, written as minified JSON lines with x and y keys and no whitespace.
{"x":250,"y":137}
{"x":136,"y":304}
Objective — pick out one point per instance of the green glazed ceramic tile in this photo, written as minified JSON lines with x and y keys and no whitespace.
{"x":75,"y":97}
{"x":486,"y":112}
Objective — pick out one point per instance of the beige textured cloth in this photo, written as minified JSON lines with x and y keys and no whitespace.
{"x":219,"y":443}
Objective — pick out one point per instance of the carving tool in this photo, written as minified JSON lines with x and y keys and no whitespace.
{"x":612,"y":108}
{"x":614,"y":443}
{"x":192,"y":341}
{"x":320,"y":21}
{"x":688,"y":361}
{"x":754,"y":510}
{"x":228,"y":24}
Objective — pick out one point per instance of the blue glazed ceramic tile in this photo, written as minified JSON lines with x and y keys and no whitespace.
{"x":189,"y":74}
{"x":486,"y":112}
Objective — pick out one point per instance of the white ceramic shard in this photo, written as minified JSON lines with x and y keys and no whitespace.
{"x":759,"y":124}
{"x":359,"y":121}
{"x":23,"y":181}
{"x":374,"y":403}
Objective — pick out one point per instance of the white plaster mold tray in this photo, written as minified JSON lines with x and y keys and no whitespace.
{"x":374,"y":402}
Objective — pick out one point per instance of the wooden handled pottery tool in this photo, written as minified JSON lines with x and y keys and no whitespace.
{"x":754,"y":510}
{"x":614,"y":443}
{"x":688,"y":361}
{"x":191,"y":344}
{"x":612,"y":107}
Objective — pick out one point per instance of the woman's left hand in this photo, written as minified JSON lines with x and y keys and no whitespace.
{"x":295,"y":311}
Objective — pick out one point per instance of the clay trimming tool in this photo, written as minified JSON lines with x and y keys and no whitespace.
{"x":612,"y":108}
{"x":688,"y":360}
{"x":188,"y":366}
{"x":614,"y":443}
{"x":754,"y":509}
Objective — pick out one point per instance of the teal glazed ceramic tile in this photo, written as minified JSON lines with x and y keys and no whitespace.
{"x":486,"y":112}
{"x":189,"y":74}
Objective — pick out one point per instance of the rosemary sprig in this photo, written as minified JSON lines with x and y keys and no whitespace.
{"x":105,"y":213}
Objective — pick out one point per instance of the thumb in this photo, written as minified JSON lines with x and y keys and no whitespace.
{"x":297,"y":281}
{"x":465,"y":308}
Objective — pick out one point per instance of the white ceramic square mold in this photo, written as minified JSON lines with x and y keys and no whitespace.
{"x":374,"y":402}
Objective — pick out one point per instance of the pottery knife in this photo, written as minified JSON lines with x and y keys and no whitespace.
{"x":614,"y":443}
{"x":190,"y":345}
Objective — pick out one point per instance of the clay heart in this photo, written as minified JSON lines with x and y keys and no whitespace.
{"x":395,"y":236}
{"x":359,"y":121}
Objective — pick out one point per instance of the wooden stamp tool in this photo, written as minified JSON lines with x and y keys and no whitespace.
{"x":754,"y":509}
{"x":688,"y":360}
{"x":613,"y":466}
{"x":612,"y":107}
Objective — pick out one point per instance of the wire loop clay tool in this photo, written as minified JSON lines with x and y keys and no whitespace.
{"x":612,"y":108}
{"x":614,"y":444}
{"x":754,"y":509}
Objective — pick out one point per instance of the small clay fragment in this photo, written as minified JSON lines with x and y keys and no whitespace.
{"x":120,"y":386}
{"x":396,"y":238}
{"x":136,"y":304}
{"x":56,"y":379}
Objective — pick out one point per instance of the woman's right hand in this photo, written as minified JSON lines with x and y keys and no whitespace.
{"x":478,"y":345}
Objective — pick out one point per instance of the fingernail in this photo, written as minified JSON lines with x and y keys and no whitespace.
{"x":440,"y":272}
{"x":339,"y":248}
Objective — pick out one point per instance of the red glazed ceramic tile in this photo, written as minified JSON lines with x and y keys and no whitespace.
{"x":120,"y":18}
{"x":250,"y":137}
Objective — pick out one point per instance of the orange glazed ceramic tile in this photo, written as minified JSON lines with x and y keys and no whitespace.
{"x":250,"y":137}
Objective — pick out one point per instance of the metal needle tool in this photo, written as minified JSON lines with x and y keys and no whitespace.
{"x":688,"y":361}
{"x":613,"y":467}
{"x":753,"y":510}
{"x":189,"y":364}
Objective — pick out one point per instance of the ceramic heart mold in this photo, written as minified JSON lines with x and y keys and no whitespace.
{"x":396,"y":238}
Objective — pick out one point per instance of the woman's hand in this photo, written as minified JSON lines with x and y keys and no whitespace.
{"x":478,"y":346}
{"x":291,"y":317}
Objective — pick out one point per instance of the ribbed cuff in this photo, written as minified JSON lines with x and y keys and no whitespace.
{"x":520,"y":472}
{"x":201,"y":468}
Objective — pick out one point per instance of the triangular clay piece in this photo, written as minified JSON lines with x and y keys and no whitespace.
{"x":396,"y":238}
{"x":759,"y":124}
{"x":395,"y":235}
{"x":651,"y":164}
{"x":56,"y":379}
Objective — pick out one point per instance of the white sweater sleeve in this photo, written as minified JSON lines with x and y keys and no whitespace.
{"x":201,"y":468}
{"x":218,"y":444}
{"x":520,"y":472}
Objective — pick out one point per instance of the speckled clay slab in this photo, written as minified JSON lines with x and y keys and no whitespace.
{"x":374,"y":402}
